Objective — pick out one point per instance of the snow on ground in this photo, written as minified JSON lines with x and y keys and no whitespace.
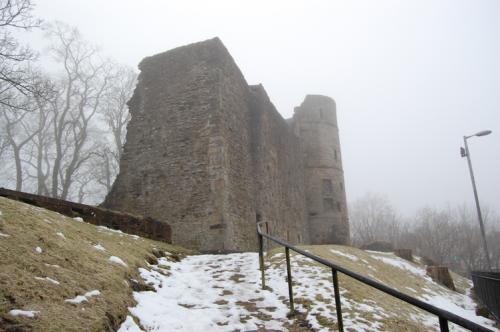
{"x":117,"y":260}
{"x":129,"y":325}
{"x":223,"y":293}
{"x":4,"y":235}
{"x":38,"y":250}
{"x":23,"y":313}
{"x":107,"y":229}
{"x":209,"y":293}
{"x":83,"y":298}
{"x":343,"y":254}
{"x":60,"y":234}
{"x":99,"y":247}
{"x":391,"y":259}
{"x":79,"y":219}
{"x":55,"y":282}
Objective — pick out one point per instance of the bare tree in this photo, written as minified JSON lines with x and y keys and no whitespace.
{"x":15,"y":15}
{"x":19,"y":123}
{"x":64,"y":137}
{"x":84,"y":83}
{"x":372,"y":219}
{"x":116,"y":112}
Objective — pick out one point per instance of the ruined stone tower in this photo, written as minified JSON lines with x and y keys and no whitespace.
{"x":315,"y":122}
{"x":209,"y":155}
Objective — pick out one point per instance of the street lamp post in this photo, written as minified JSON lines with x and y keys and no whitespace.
{"x":465,"y":153}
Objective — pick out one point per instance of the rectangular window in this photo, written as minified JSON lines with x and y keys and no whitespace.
{"x":327,"y":187}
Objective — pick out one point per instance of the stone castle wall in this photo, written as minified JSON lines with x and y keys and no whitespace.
{"x":315,"y":122}
{"x":127,"y":223}
{"x":208,"y":154}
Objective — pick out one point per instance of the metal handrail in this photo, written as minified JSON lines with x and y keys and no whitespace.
{"x":443,"y":315}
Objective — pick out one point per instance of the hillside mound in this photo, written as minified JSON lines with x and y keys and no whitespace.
{"x":61,"y":274}
{"x":365,"y":308}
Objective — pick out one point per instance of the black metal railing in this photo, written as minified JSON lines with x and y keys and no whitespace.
{"x":487,"y":288}
{"x":443,"y":315}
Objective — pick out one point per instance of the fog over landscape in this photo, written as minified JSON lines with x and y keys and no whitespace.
{"x":409,"y":78}
{"x":175,"y":196}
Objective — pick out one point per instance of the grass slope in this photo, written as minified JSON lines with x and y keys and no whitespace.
{"x":365,"y":308}
{"x":72,"y":259}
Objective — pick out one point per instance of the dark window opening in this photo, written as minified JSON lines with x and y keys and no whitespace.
{"x":327,"y":187}
{"x":328,"y":204}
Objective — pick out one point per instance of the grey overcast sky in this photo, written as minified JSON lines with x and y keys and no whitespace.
{"x":410,"y":78}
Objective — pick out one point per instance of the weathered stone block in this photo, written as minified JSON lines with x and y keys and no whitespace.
{"x":441,"y":275}
{"x":404,"y":254}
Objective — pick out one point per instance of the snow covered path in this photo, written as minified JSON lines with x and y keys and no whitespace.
{"x":208,"y":293}
{"x":222,"y":293}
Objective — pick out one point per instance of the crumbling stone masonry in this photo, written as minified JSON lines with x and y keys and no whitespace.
{"x":210,"y":155}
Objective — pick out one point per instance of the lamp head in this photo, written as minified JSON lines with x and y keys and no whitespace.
{"x":483,"y":133}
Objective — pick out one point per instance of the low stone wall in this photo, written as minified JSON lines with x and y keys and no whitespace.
{"x":127,"y":223}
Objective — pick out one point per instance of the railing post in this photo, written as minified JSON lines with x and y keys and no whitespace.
{"x":289,"y":279}
{"x":261,"y":260}
{"x":443,"y":324}
{"x":338,"y":306}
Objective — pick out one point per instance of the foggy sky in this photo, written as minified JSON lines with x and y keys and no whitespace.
{"x":410,"y":78}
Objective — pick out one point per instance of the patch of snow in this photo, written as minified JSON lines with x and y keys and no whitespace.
{"x":458,"y":304}
{"x":83,"y":298}
{"x":61,"y":235}
{"x":47,"y":221}
{"x":209,"y":293}
{"x":76,"y":300}
{"x":79,"y":219}
{"x":99,"y":247}
{"x":104,"y":228}
{"x":4,"y":235}
{"x":93,"y":293}
{"x":52,"y":265}
{"x":38,"y":250}
{"x":400,"y":263}
{"x":24,"y":313}
{"x":129,"y":325}
{"x":55,"y":282}
{"x":348,"y":256}
{"x":117,"y":260}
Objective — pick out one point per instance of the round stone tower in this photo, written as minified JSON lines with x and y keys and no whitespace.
{"x":315,"y":122}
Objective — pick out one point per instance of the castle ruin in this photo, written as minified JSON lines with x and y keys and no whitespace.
{"x":210,"y":155}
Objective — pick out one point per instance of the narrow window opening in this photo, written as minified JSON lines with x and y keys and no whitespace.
{"x":327,"y":187}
